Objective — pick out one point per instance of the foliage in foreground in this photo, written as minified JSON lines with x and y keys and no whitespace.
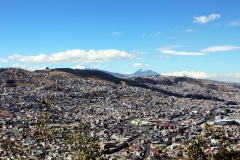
{"x":200,"y":147}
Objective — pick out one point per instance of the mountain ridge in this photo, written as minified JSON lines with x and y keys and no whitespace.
{"x":150,"y":83}
{"x":139,"y":72}
{"x":142,"y":72}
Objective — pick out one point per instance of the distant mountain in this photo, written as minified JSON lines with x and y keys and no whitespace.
{"x":83,"y":67}
{"x":142,"y":72}
{"x":80,"y":66}
{"x":114,"y":74}
{"x":111,"y":73}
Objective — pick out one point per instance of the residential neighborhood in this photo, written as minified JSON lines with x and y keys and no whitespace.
{"x":127,"y":122}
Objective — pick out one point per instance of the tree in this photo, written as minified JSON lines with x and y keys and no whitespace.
{"x":39,"y":142}
{"x":81,"y":145}
{"x":197,"y":148}
{"x":225,"y":154}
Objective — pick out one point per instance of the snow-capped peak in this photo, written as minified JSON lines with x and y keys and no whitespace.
{"x":80,"y":66}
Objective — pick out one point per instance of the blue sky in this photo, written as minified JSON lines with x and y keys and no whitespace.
{"x":196,"y":38}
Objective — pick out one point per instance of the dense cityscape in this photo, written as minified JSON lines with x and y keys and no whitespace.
{"x":119,"y":80}
{"x":127,"y":122}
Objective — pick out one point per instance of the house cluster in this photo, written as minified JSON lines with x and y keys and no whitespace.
{"x":128,"y":122}
{"x":207,"y":88}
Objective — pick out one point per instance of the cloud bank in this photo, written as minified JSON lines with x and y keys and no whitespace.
{"x":140,"y":65}
{"x":169,"y":50}
{"x":76,"y":56}
{"x":203,"y":75}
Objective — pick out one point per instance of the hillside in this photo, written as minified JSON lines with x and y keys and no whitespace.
{"x":163,"y":84}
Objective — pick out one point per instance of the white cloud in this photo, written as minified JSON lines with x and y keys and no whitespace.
{"x":37,"y":67}
{"x":234,"y":23}
{"x":189,"y":30}
{"x":116,"y":33}
{"x":226,"y":77}
{"x":140,"y":64}
{"x":168,"y":50}
{"x":155,"y":34}
{"x":203,"y":75}
{"x":137,"y":64}
{"x":3,"y":60}
{"x":220,"y":48}
{"x":138,"y":52}
{"x":76,"y":56}
{"x":16,"y":65}
{"x":30,"y":68}
{"x":205,"y":19}
{"x":143,"y":35}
